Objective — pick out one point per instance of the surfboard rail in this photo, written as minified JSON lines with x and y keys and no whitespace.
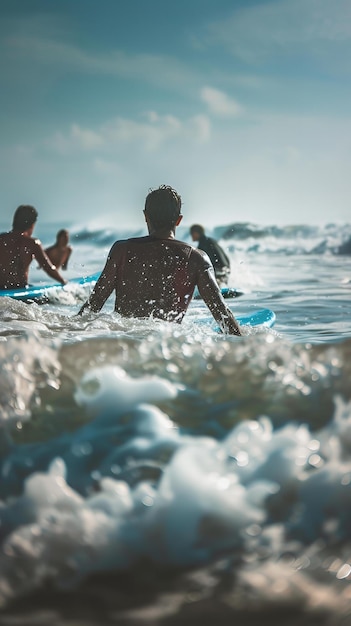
{"x":259,"y":317}
{"x":41,"y":292}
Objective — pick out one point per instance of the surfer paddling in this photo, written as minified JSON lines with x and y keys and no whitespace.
{"x":218,"y":257}
{"x":18,"y":248}
{"x":155,"y":276}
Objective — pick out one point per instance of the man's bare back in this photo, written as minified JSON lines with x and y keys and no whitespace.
{"x":60,"y":252}
{"x":155,"y":276}
{"x":17,"y":250}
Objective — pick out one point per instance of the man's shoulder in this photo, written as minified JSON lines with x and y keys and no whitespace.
{"x":187,"y":248}
{"x":20,"y":239}
{"x":200,"y":257}
{"x":35,"y":242}
{"x":136,"y":240}
{"x":123,"y":243}
{"x":146,"y":240}
{"x":212,"y":241}
{"x":6,"y":235}
{"x":182,"y":243}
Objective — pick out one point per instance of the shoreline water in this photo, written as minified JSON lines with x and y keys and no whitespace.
{"x":169,"y":459}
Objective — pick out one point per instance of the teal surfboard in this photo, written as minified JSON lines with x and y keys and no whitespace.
{"x":261,"y":317}
{"x":40,"y":293}
{"x":227,"y":292}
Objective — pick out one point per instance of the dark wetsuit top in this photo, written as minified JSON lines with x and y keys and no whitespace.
{"x":216,"y":254}
{"x":157,"y":277}
{"x":16,"y":254}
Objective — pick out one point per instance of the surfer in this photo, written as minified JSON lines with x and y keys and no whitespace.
{"x":18,"y":248}
{"x":60,"y":252}
{"x":216,"y":254}
{"x":155,"y":276}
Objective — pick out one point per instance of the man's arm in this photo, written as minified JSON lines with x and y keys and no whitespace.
{"x":103,"y":287}
{"x":211,"y":295}
{"x":45,"y":263}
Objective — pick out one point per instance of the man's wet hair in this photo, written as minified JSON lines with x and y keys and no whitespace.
{"x":197,"y":228}
{"x":25,"y":216}
{"x":162,"y":206}
{"x":62,"y":231}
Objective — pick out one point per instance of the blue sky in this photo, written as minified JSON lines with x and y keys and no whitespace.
{"x":244,"y":106}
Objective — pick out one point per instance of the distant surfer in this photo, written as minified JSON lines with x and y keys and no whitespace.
{"x":155,"y":276}
{"x":217,"y":256}
{"x":60,"y":252}
{"x":18,"y":248}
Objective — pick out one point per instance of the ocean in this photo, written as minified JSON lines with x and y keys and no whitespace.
{"x":156,"y":473}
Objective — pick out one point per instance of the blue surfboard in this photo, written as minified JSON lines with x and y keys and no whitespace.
{"x":262,"y":317}
{"x":40,"y":293}
{"x":227,"y":292}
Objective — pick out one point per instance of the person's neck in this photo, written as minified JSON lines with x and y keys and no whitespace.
{"x":25,"y":233}
{"x":162,"y":233}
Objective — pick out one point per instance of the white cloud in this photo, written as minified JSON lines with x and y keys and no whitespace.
{"x":278,"y":169}
{"x":170,"y":121}
{"x":58,"y":55}
{"x":219,"y":103}
{"x":116,"y":134}
{"x":106,"y":167}
{"x":254,"y":33}
{"x":33,"y":46}
{"x":86,"y":138}
{"x":202,"y":127}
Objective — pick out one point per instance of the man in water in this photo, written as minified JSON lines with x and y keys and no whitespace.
{"x":18,"y":249}
{"x":216,"y":254}
{"x":60,"y":252}
{"x":155,"y":276}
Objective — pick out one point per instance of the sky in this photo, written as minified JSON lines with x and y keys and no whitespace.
{"x":243,"y":106}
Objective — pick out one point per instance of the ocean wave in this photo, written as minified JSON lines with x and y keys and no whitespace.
{"x":142,"y":460}
{"x":244,"y":236}
{"x":177,"y":450}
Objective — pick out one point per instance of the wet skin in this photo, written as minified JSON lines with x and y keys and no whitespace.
{"x":156,"y":276}
{"x":17,"y":250}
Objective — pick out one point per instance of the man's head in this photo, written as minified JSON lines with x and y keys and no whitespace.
{"x":196,"y":231}
{"x":62,"y":237}
{"x":24,"y":218}
{"x":162,"y":208}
